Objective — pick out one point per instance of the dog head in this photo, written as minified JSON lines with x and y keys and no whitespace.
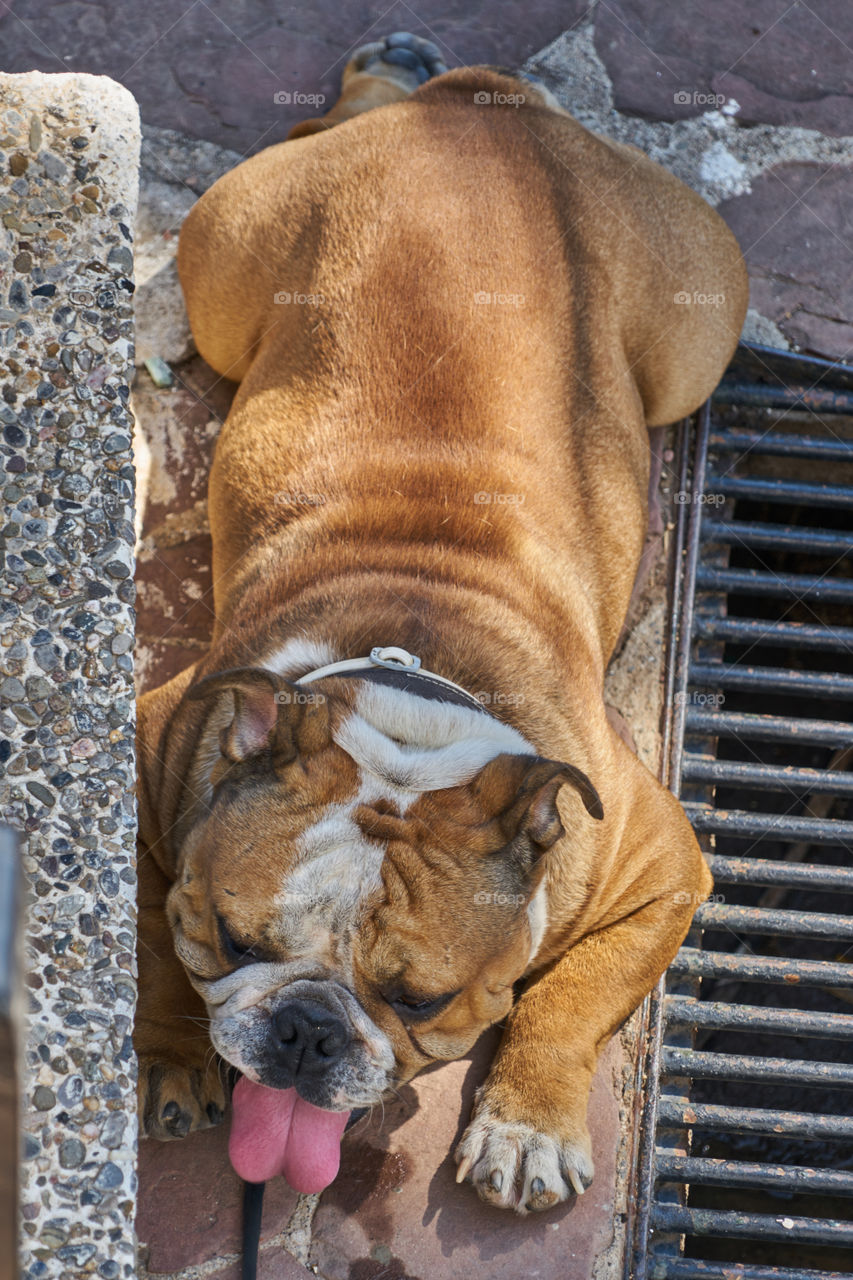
{"x":357,"y":891}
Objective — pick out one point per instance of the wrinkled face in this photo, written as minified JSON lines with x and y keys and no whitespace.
{"x":348,"y":917}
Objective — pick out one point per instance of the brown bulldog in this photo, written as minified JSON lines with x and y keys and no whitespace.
{"x":452,"y":319}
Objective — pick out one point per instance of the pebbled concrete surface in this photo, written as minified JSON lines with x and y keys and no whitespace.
{"x":69,"y":149}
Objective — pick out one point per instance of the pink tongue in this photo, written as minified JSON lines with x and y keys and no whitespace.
{"x":276,"y":1131}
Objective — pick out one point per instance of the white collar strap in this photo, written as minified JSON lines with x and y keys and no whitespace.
{"x":402,"y":663}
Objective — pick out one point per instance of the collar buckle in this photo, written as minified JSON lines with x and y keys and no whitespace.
{"x":394,"y":658}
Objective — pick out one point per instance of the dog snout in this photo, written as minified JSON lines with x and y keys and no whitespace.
{"x":307,"y":1038}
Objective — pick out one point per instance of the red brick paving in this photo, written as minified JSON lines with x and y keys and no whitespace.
{"x":396,"y":1212}
{"x":794,"y":229}
{"x":784,"y":63}
{"x":190,"y":1201}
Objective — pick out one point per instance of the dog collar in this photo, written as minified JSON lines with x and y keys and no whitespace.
{"x":400,"y":669}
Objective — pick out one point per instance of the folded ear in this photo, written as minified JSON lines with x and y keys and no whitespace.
{"x":270,"y":714}
{"x":521,"y":792}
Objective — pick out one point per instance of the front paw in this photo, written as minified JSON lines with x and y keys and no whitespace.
{"x":175,"y":1100}
{"x":515,"y":1165}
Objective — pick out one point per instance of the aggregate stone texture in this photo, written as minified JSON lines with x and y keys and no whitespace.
{"x":69,"y":149}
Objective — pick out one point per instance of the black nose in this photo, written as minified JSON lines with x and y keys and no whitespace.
{"x":307,"y":1039}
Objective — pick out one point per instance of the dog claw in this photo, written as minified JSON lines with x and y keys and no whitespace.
{"x":537,"y":1186}
{"x":464,"y":1168}
{"x":577,"y":1185}
{"x":497,"y":1179}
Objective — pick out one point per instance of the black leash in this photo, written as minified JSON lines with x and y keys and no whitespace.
{"x":253,"y":1207}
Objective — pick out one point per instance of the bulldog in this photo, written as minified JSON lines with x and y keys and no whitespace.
{"x":387,"y":810}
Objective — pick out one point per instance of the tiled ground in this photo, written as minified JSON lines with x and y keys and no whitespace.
{"x":211,"y":70}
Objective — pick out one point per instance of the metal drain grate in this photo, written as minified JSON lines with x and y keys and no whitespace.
{"x":745,"y":1115}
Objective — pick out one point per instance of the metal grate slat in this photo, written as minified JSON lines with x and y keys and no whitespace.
{"x":733,"y":1173}
{"x":736,"y":774}
{"x":753,"y":968}
{"x":747,"y":1017}
{"x":761,"y":728}
{"x":672,"y":1113}
{"x":789,"y":492}
{"x":755,"y":631}
{"x":698,"y":1269}
{"x":730,"y":1066}
{"x":763,"y":871}
{"x":713,"y":1222}
{"x":773,"y":680}
{"x":780,"y":826}
{"x":788,"y":537}
{"x":757,"y":582}
{"x":781,"y":446}
{"x":767,"y":920}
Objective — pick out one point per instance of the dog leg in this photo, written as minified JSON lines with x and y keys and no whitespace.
{"x":385,"y":71}
{"x":180,"y":1075}
{"x":528,"y":1146}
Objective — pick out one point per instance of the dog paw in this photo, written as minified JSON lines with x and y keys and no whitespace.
{"x":176,"y":1100}
{"x":406,"y":59}
{"x":515,"y":1166}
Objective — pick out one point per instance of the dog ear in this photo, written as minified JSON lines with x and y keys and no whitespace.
{"x":269,"y":714}
{"x":521,"y":791}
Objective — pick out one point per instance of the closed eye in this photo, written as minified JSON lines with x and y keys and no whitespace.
{"x":236,"y":953}
{"x":417,"y":1008}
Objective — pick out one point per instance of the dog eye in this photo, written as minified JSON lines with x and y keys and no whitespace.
{"x":416,"y":1009}
{"x":235,"y":951}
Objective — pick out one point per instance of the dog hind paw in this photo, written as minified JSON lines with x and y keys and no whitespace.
{"x":176,"y":1100}
{"x":515,"y":1166}
{"x":406,"y":59}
